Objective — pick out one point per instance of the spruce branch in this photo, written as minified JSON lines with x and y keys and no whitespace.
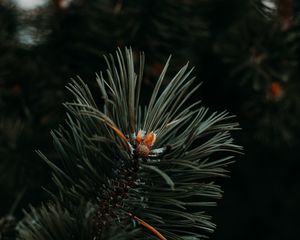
{"x":148,"y":170}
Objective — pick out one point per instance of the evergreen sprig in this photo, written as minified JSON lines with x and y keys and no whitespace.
{"x":148,"y":168}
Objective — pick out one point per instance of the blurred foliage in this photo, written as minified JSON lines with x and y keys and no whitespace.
{"x":262,"y":55}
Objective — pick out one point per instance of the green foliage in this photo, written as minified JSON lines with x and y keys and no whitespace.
{"x":68,"y":41}
{"x":257,"y":52}
{"x":62,"y":223}
{"x":99,"y":159}
{"x":261,"y":55}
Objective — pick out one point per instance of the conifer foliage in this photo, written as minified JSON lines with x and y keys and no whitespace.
{"x":261,"y":52}
{"x":129,"y":171}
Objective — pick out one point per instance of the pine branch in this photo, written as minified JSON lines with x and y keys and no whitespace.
{"x":147,"y":168}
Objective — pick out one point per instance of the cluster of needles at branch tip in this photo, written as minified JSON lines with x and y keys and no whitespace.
{"x":146,"y":171}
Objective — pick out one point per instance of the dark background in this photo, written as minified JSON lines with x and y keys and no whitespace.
{"x":246,"y":54}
